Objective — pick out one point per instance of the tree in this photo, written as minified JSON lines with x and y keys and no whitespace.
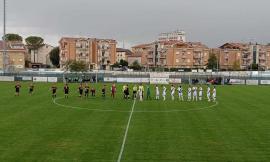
{"x":116,"y":65}
{"x":212,"y":61}
{"x":13,"y":37}
{"x":54,"y":56}
{"x":136,"y":66}
{"x":34,"y":43}
{"x":123,"y":63}
{"x":236,"y":65}
{"x":254,"y":66}
{"x":78,"y":66}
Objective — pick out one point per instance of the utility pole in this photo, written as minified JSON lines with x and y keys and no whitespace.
{"x":4,"y":40}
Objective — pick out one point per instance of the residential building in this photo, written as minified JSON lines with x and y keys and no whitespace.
{"x":142,"y":51}
{"x":97,"y":53}
{"x":39,"y":58}
{"x":236,"y":56}
{"x":177,"y":35}
{"x":122,"y":54}
{"x":16,"y":53}
{"x":173,"y":54}
{"x":188,"y":55}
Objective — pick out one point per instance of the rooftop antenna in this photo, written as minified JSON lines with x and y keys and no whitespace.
{"x":5,"y":61}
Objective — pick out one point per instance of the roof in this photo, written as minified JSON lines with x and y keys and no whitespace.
{"x":83,"y":38}
{"x":146,"y":45}
{"x":135,"y":55}
{"x":232,"y":45}
{"x":128,"y":52}
{"x":190,"y":45}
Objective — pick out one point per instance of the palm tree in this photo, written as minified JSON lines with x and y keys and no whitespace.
{"x":34,"y":43}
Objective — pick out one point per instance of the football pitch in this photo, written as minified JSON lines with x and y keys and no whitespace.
{"x":37,"y":128}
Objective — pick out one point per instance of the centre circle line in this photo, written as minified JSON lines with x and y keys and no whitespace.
{"x":137,"y":111}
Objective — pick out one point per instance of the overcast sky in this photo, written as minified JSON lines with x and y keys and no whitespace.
{"x":212,"y":22}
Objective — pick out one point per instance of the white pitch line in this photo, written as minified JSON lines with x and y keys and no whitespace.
{"x":138,"y":111}
{"x":126,"y":133}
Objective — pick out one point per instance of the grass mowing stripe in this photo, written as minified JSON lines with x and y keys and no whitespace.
{"x":126,"y":132}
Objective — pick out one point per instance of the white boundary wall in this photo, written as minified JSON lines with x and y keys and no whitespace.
{"x":40,"y":79}
{"x":7,"y":78}
{"x":237,"y":81}
{"x":265,"y":82}
{"x":132,"y":80}
{"x":252,"y":82}
{"x":52,"y":79}
{"x":159,"y":80}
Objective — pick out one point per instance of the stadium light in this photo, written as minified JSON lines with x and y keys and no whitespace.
{"x":4,"y":39}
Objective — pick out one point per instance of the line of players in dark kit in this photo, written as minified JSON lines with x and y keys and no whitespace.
{"x":83,"y":89}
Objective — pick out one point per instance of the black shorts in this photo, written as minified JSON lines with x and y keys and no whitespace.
{"x":81,"y":92}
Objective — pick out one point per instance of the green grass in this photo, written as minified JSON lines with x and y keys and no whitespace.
{"x":33,"y":128}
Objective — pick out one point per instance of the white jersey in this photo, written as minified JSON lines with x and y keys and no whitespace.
{"x":189,"y":91}
{"x":164,"y":91}
{"x":180,"y":90}
{"x":200,"y":92}
{"x":214,"y":92}
{"x":172,"y":90}
{"x":195,"y":91}
{"x":157,"y":91}
{"x":208,"y":91}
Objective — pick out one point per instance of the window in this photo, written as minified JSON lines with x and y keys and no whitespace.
{"x":177,"y":61}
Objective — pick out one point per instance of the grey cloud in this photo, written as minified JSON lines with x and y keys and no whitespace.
{"x":136,"y":21}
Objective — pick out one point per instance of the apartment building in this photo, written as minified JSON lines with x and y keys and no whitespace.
{"x":234,"y":56}
{"x":173,"y":54}
{"x":97,"y":53}
{"x":177,"y":35}
{"x":16,"y":53}
{"x":142,"y":51}
{"x":189,"y":55}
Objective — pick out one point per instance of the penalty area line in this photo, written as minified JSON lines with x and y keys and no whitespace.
{"x":126,"y":133}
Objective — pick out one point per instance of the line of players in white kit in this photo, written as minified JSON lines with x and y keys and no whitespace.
{"x":193,"y":93}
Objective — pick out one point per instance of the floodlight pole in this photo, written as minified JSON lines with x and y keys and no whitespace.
{"x":4,"y":40}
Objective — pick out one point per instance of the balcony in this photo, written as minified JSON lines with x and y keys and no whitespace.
{"x":150,"y":56}
{"x":262,"y":63}
{"x":197,"y":56}
{"x":262,"y":58}
{"x":162,"y":57}
{"x":197,"y":64}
